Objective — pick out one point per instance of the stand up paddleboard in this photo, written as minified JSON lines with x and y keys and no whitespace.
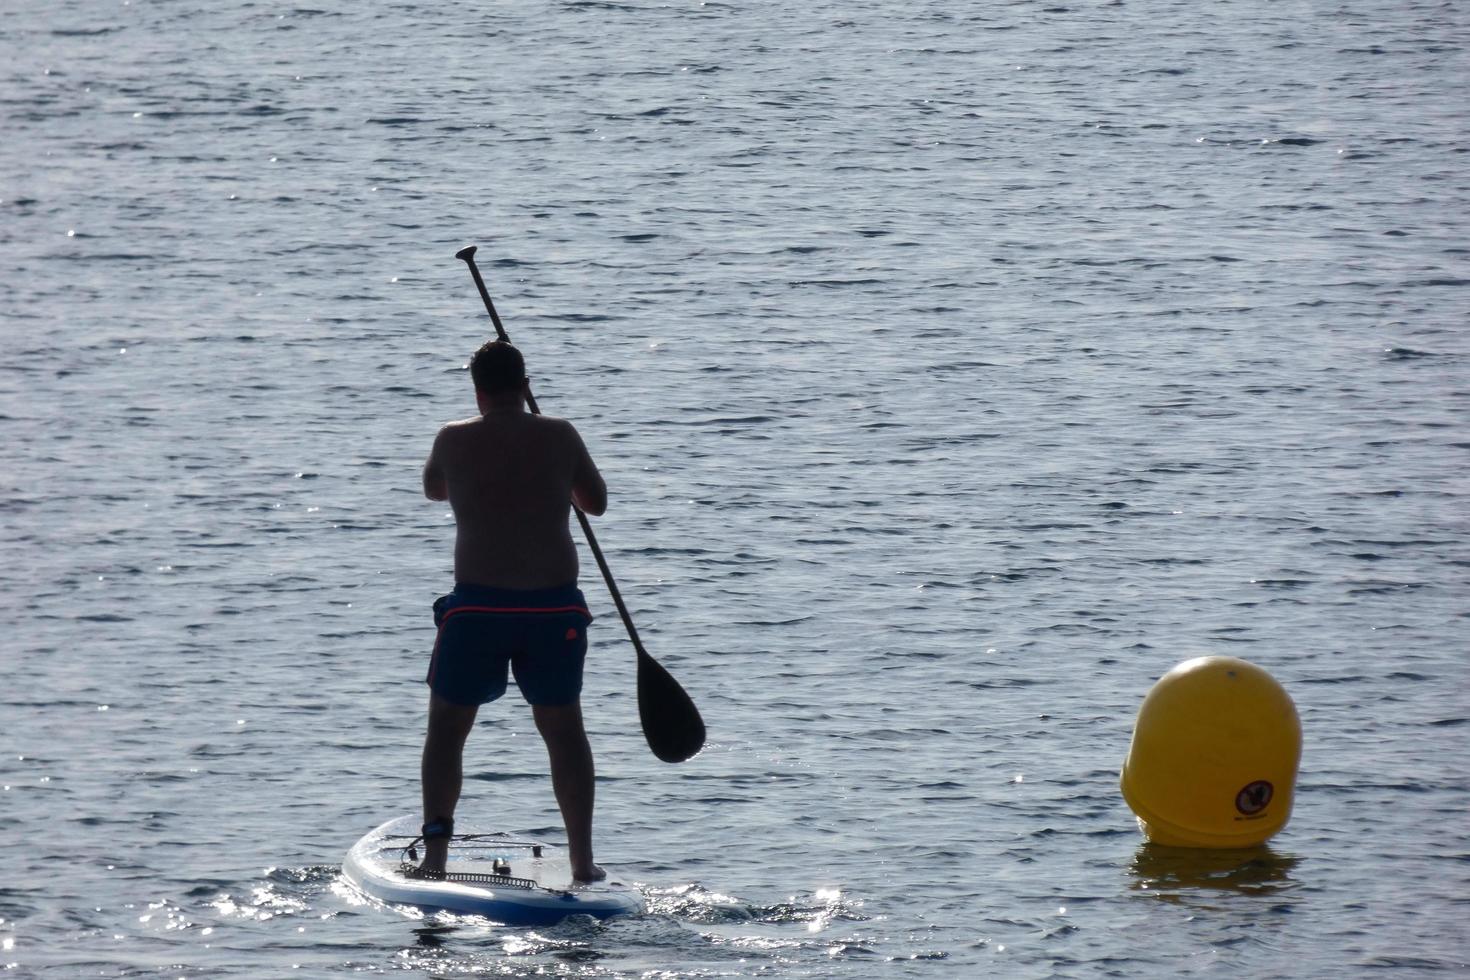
{"x":503,"y":877}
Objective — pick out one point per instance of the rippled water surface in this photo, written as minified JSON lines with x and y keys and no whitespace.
{"x":956,"y":370}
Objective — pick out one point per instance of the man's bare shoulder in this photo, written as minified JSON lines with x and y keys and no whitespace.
{"x":454,"y":433}
{"x":547,"y":428}
{"x":551,"y":422}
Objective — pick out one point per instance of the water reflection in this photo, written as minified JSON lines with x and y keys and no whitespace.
{"x":1170,"y":871}
{"x":432,"y":937}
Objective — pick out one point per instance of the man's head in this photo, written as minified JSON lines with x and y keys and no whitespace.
{"x":498,"y":370}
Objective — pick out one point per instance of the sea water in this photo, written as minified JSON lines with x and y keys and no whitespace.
{"x":956,"y":370}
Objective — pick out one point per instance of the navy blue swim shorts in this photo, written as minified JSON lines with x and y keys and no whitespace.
{"x":539,"y":634}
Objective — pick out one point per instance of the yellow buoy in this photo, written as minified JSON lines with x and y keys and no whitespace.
{"x":1214,"y":756}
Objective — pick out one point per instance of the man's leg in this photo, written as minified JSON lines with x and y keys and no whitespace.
{"x":572,"y":780}
{"x":443,"y":769}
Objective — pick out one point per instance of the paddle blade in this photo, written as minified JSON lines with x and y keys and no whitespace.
{"x":671,"y":722}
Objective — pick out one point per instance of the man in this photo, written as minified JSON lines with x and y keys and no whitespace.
{"x":511,"y":478}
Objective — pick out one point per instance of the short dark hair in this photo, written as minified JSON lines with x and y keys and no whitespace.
{"x":497,"y":367}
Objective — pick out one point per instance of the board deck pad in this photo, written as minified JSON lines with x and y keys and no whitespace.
{"x":506,"y":877}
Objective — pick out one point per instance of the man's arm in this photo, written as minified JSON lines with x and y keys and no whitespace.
{"x":589,"y":492}
{"x":436,"y":484}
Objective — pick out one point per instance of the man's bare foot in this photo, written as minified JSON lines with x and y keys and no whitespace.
{"x":595,"y":874}
{"x":436,"y":856}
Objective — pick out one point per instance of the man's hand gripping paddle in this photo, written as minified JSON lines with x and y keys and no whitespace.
{"x":671,"y":722}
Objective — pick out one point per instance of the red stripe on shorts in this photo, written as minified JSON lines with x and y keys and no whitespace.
{"x":512,"y":610}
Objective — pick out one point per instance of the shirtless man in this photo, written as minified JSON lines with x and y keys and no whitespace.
{"x":511,"y":478}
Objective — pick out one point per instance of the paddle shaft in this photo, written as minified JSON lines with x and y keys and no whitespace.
{"x":468,"y":255}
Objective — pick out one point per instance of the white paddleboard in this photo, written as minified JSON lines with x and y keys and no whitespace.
{"x":505,"y":877}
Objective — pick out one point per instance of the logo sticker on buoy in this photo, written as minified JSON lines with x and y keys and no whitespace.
{"x":1254,"y":798}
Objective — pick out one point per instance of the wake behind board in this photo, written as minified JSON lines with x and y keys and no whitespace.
{"x":501,"y":876}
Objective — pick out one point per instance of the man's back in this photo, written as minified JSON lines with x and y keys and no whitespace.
{"x":510,"y":477}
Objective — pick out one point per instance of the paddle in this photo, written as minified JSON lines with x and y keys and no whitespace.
{"x":671,"y":722}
